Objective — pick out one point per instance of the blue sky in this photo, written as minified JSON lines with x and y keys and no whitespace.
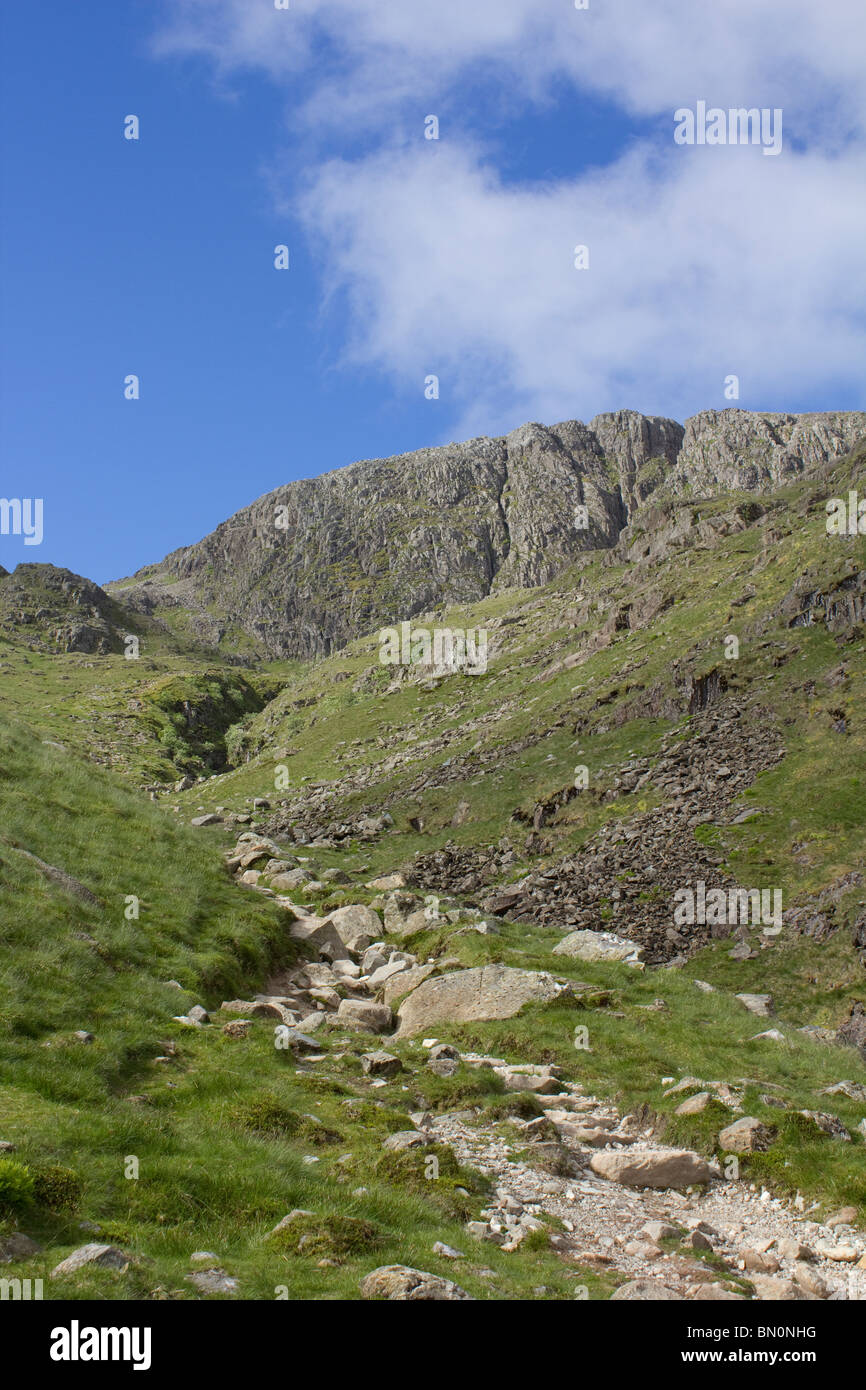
{"x":408,"y":257}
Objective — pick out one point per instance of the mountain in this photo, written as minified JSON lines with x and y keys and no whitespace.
{"x":630,"y":1094}
{"x":308,"y":567}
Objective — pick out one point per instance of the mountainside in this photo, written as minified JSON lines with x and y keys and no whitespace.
{"x":616,"y":869}
{"x":308,"y":567}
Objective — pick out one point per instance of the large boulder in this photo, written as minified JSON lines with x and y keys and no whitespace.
{"x":356,"y":921}
{"x":488,"y":991}
{"x":640,"y":1167}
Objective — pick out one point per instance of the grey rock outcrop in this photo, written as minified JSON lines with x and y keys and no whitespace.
{"x":310,"y":566}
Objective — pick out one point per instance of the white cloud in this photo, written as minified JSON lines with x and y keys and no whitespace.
{"x":647,"y":54}
{"x":704,"y":261}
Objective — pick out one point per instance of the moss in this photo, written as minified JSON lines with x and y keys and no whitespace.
{"x":17,"y":1185}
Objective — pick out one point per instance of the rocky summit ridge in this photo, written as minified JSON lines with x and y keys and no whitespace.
{"x":307,"y":567}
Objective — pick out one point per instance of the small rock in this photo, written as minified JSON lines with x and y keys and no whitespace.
{"x":760,"y":1004}
{"x":213,"y":1281}
{"x":399,"y":1283}
{"x":106,"y":1256}
{"x":381,"y":1064}
{"x":747,"y":1135}
{"x":17,"y":1247}
{"x":644,"y":1291}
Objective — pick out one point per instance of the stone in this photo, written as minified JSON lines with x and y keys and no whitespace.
{"x":447,"y":1252}
{"x":809,"y":1279}
{"x":405,"y":1139}
{"x":790,"y":1249}
{"x":839,"y":1254}
{"x":381,"y":1064}
{"x":696,"y":1240}
{"x":322,"y":935}
{"x":105,"y":1256}
{"x":486,"y":992}
{"x":405,"y":982}
{"x":747,"y":1135}
{"x":198,"y":1014}
{"x":355,"y":921}
{"x":400,"y":1283}
{"x":827,"y":1124}
{"x":213,"y":1281}
{"x":645,"y":1291}
{"x":384,"y":973}
{"x":760,"y":1004}
{"x":387,"y":883}
{"x":237,"y":1028}
{"x":657,"y":1231}
{"x":713,"y":1293}
{"x":852,"y":1089}
{"x":365,"y":1016}
{"x":598,"y":946}
{"x":845,"y":1216}
{"x":773,"y":1290}
{"x":209,"y":819}
{"x":644,"y":1167}
{"x":17,"y":1247}
{"x":294,"y":1215}
{"x":694,"y":1105}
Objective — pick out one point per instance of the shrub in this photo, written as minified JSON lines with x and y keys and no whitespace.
{"x":16,"y":1184}
{"x":57,"y":1188}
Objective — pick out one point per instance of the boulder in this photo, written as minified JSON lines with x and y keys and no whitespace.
{"x":355,"y":921}
{"x":105,"y":1256}
{"x":322,"y":935}
{"x":399,"y":1283}
{"x":760,"y":1004}
{"x":213,"y":1281}
{"x":641,"y":1167}
{"x":365,"y":1016}
{"x":599,"y":946}
{"x":747,"y":1135}
{"x":486,"y":992}
{"x":382,"y":1064}
{"x":407,"y":980}
{"x":17,"y":1247}
{"x":646,"y":1291}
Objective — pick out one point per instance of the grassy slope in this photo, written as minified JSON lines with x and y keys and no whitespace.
{"x":206,"y":1181}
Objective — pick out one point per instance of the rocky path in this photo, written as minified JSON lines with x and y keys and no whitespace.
{"x":690,"y":1242}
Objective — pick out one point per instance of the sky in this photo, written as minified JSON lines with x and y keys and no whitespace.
{"x":409,"y":258}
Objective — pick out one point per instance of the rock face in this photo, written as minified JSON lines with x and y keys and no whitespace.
{"x":308,"y":567}
{"x":652,"y":1167}
{"x":489,"y":991}
{"x":59,"y":611}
